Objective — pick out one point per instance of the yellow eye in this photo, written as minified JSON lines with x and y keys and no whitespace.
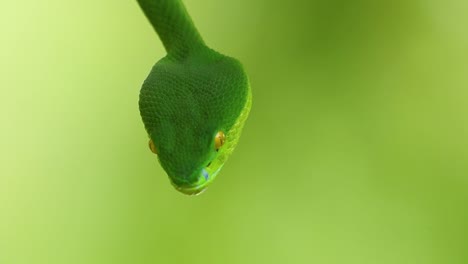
{"x":220,"y":138}
{"x":152,"y":146}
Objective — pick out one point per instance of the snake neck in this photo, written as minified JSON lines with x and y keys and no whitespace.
{"x":174,"y":26}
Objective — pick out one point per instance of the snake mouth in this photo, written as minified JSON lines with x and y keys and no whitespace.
{"x":205,"y":177}
{"x":197,"y":187}
{"x":192,"y":191}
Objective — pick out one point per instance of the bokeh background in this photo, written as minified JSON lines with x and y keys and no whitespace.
{"x":355,"y":150}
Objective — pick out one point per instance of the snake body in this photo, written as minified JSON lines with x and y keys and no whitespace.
{"x":194,"y":102}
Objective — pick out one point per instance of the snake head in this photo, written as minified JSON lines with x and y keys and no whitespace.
{"x":194,"y":110}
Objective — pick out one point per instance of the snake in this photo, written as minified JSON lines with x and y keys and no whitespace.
{"x":194,"y":102}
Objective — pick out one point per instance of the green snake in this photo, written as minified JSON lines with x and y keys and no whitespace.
{"x":194,"y":102}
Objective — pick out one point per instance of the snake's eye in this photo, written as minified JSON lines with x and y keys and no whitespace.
{"x":220,"y":138}
{"x":152,"y":146}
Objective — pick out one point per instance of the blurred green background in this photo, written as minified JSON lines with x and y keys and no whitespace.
{"x":356,"y":150}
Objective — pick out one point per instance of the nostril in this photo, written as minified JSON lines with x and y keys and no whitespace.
{"x":208,"y":164}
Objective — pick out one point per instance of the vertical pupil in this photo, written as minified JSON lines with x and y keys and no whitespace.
{"x":152,"y":146}
{"x":219,"y":139}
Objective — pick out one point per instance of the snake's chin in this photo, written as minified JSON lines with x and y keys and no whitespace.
{"x":205,"y":177}
{"x":194,"y":191}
